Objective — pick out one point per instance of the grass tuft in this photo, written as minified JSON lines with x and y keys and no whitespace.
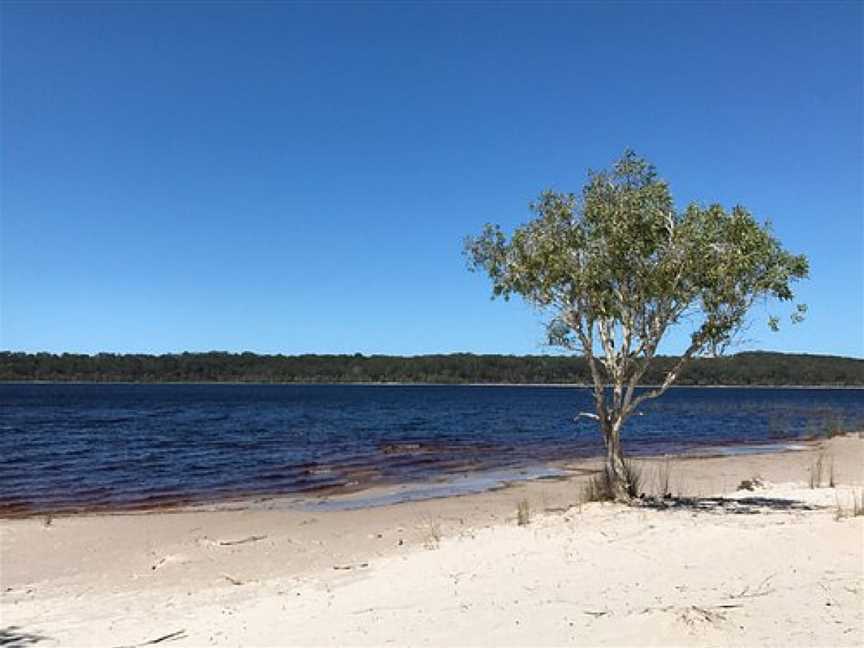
{"x":750,"y":484}
{"x":857,"y":509}
{"x":599,"y":487}
{"x":664,"y":476}
{"x":523,"y":513}
{"x":816,"y":469}
{"x":432,"y":535}
{"x":634,"y":477}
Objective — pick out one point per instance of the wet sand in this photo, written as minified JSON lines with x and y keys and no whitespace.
{"x":780,"y":565}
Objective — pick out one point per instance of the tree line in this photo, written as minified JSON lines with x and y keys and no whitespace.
{"x":749,"y":368}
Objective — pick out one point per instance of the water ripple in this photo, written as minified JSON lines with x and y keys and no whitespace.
{"x":79,"y":447}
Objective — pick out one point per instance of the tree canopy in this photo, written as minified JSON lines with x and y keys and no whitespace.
{"x":750,"y":368}
{"x":617,"y":266}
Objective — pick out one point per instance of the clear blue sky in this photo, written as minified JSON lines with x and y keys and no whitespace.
{"x":299,"y":177}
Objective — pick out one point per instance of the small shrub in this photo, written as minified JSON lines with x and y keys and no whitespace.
{"x":49,"y":520}
{"x":750,"y":484}
{"x":523,"y":513}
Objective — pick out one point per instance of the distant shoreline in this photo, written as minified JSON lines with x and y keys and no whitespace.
{"x":406,"y":384}
{"x":746,"y":369}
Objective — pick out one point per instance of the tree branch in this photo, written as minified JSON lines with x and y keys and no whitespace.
{"x":575,"y":321}
{"x":695,"y":346}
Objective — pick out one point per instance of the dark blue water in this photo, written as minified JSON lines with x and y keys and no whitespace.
{"x":74,"y":447}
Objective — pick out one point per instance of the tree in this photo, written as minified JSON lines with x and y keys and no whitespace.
{"x":617,"y":266}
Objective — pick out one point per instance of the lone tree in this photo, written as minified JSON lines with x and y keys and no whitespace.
{"x":618,"y":266}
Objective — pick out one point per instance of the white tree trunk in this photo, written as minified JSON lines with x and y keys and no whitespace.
{"x":619,"y":476}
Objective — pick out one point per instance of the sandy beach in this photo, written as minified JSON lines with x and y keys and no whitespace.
{"x":779,"y":565}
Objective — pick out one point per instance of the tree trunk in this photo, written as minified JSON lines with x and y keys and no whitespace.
{"x":616,"y":469}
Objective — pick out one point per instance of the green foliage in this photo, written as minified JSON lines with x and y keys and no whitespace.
{"x":752,"y":368}
{"x":618,"y":265}
{"x":620,"y":255}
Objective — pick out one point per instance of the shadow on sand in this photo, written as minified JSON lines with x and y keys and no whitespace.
{"x":15,"y":637}
{"x":741,"y":506}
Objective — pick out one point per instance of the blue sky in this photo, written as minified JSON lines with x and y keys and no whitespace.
{"x":289,"y":178}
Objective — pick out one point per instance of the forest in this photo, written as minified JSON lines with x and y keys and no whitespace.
{"x":749,"y":368}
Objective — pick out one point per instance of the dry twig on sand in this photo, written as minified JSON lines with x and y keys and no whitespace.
{"x":761,"y":589}
{"x":171,"y":636}
{"x":228,"y":543}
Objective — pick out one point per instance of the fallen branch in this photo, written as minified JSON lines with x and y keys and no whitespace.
{"x":232,"y":580}
{"x":171,"y":636}
{"x":705,"y":614}
{"x":355,"y":566}
{"x":228,"y":543}
{"x":761,"y":589}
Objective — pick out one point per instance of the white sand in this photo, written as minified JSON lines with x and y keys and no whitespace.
{"x":789,"y":572}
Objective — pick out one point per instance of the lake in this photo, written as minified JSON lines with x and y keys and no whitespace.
{"x":69,"y":447}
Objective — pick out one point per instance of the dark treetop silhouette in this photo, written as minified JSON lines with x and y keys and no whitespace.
{"x":749,"y":368}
